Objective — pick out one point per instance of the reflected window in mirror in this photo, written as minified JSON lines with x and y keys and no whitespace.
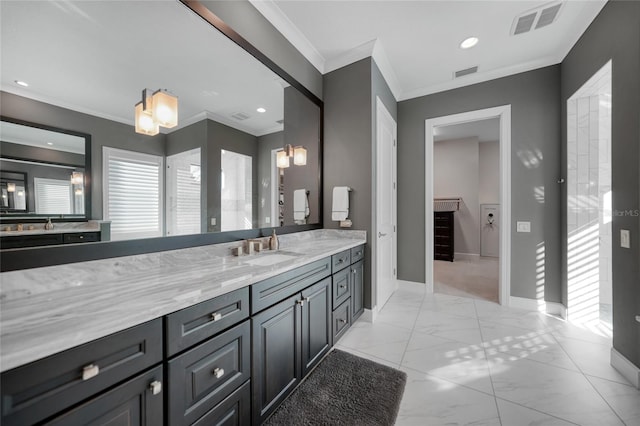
{"x":184,"y":177}
{"x":236,"y":189}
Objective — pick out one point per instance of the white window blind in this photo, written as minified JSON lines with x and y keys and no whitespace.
{"x":52,"y":196}
{"x":132,"y":193}
{"x":183,"y":193}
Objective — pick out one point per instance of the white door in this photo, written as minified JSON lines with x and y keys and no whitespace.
{"x":490,"y":230}
{"x":385,"y":230}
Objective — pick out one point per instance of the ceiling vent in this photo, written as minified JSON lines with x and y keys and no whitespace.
{"x":536,"y":18}
{"x":240,"y":116}
{"x":464,"y":72}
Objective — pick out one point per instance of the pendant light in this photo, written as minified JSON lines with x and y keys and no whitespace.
{"x":155,"y":110}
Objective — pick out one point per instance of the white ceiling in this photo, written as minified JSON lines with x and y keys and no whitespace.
{"x":416,"y":43}
{"x":484,"y":130}
{"x":97,"y":56}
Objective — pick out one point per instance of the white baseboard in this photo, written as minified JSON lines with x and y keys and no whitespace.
{"x":625,"y":367}
{"x":466,"y":256}
{"x":369,"y":315}
{"x":414,"y":285}
{"x":551,"y":308}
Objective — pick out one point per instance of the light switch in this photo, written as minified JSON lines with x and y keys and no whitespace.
{"x":523,"y":227}
{"x":213,"y":221}
{"x":625,"y":238}
{"x":267,"y":219}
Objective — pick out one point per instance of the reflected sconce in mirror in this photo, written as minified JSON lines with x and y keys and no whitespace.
{"x":298,"y":153}
{"x":158,"y":109}
{"x":77,"y":178}
{"x":11,"y":187}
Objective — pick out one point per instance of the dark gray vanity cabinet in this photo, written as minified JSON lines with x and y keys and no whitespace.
{"x":357,"y":289}
{"x":348,"y":290}
{"x":48,"y":388}
{"x":36,"y":240}
{"x":289,"y":339}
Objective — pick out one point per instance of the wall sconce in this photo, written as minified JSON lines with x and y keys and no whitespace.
{"x":298,"y":153}
{"x":77,"y":178}
{"x":11,"y":187}
{"x":158,"y":109}
{"x":78,"y":191}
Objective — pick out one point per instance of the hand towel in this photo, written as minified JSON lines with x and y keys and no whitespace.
{"x":300,"y":205}
{"x":340,"y":209}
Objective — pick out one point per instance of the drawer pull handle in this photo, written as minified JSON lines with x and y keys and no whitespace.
{"x":340,"y":261}
{"x":90,"y":371}
{"x":342,"y":286}
{"x":216,"y":316}
{"x":359,"y":253}
{"x":218,"y":372}
{"x":343,"y":321}
{"x":155,"y":387}
{"x":353,"y":271}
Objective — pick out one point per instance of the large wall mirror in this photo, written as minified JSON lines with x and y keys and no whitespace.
{"x":245,"y":154}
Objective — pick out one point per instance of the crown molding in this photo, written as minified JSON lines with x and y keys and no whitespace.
{"x":290,"y":31}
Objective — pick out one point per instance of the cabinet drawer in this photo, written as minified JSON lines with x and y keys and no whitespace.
{"x":18,"y":241}
{"x":133,"y":403}
{"x":81,"y":237}
{"x":341,"y":287}
{"x":340,"y":261}
{"x":38,"y":390}
{"x":196,"y":323}
{"x":341,"y":320}
{"x":273,"y":290}
{"x":234,"y":410}
{"x":205,"y":375}
{"x":357,"y":253}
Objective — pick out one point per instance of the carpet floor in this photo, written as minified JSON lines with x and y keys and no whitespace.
{"x":344,"y":390}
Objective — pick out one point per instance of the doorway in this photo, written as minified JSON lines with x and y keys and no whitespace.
{"x":466,"y":186}
{"x":503,"y":116}
{"x":589,"y":208}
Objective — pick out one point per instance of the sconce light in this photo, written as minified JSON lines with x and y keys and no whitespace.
{"x":298,"y":153}
{"x":282,"y":159}
{"x":11,"y":187}
{"x":159,"y":109}
{"x":77,"y":178}
{"x":78,"y":191}
{"x":299,"y":156}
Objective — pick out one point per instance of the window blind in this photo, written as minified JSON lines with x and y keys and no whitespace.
{"x":188,"y":201}
{"x":132,"y":185}
{"x":52,"y":196}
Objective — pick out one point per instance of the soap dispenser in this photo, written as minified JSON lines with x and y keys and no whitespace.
{"x":273,"y":241}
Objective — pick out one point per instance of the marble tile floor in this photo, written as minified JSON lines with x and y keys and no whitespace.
{"x":473,"y":362}
{"x":476,"y":277}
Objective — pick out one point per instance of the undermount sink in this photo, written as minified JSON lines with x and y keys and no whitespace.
{"x":269,"y":259}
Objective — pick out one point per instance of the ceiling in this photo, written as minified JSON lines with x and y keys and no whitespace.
{"x":484,"y":130}
{"x":416,"y":43}
{"x":97,"y":56}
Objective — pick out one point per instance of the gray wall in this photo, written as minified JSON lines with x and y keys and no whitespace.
{"x":535,"y":127}
{"x":266,"y":144}
{"x":103,"y":133}
{"x":456,"y":173}
{"x":615,"y":34}
{"x":349,"y":134}
{"x":489,"y":182}
{"x":257,"y":30}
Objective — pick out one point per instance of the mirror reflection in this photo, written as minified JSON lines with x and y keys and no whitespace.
{"x":83,"y":66}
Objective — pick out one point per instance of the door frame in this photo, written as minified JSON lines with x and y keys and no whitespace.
{"x":381,"y":110}
{"x":503,"y":113}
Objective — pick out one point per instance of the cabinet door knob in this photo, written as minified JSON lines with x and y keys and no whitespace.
{"x":353,"y":271}
{"x":342,"y":286}
{"x":340,"y":261}
{"x":300,"y":302}
{"x":155,"y":387}
{"x":343,"y":321}
{"x":218,"y":372}
{"x":90,"y":371}
{"x":216,"y":316}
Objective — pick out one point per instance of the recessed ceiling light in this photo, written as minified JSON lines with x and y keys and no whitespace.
{"x":261,"y":110}
{"x":469,"y":42}
{"x":22,"y":83}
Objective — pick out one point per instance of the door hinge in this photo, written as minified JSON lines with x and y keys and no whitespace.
{"x":394,"y":185}
{"x":394,"y":228}
{"x":394,"y":272}
{"x":394,"y":142}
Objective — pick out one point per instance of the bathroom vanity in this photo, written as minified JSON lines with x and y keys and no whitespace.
{"x":186,"y":337}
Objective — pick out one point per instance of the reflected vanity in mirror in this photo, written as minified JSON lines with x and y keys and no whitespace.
{"x":216,"y":171}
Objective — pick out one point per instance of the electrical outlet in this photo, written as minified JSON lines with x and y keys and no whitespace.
{"x":267,"y":219}
{"x":625,"y":238}
{"x":213,"y":221}
{"x":523,"y":227}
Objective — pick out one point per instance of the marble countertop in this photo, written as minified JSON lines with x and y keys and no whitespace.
{"x":44,"y":311}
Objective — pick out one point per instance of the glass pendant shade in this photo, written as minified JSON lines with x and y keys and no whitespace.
{"x":299,"y":156}
{"x":144,"y":122}
{"x":11,"y":187}
{"x":282,"y":160}
{"x":164,"y":109}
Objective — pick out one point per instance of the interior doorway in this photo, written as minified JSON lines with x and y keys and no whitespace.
{"x":589,"y":207}
{"x":499,"y":209}
{"x":466,"y":187}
